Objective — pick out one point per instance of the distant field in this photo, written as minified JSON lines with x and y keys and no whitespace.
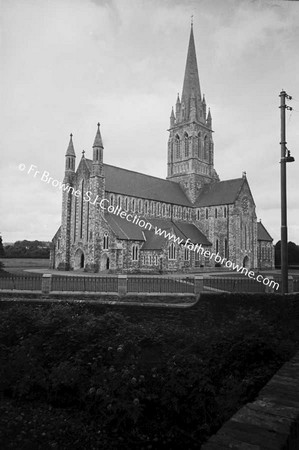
{"x":17,"y":265}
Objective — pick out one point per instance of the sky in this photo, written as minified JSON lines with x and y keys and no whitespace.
{"x":68,"y":64}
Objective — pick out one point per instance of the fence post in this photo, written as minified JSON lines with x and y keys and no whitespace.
{"x":198,"y":284}
{"x":269,"y":289}
{"x":122,"y":285}
{"x":46,"y":283}
{"x":291,"y":285}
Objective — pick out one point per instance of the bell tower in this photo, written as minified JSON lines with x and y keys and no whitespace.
{"x":190,"y":144}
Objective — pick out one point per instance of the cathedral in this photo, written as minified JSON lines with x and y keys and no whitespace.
{"x":191,"y":204}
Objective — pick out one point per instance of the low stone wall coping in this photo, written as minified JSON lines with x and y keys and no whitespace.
{"x":270,"y":422}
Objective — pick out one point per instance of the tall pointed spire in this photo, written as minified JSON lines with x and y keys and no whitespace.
{"x":70,"y":157}
{"x":172,"y":118}
{"x":98,"y":139}
{"x":189,"y":133}
{"x":97,"y":157}
{"x":70,"y":150}
{"x":209,"y":119}
{"x":191,"y":79}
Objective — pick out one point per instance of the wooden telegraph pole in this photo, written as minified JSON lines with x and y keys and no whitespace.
{"x":285,"y":157}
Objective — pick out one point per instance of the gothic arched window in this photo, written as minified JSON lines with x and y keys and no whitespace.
{"x":224,"y":212}
{"x":105,"y":241}
{"x":135,"y":252}
{"x":81,"y":210}
{"x":177,"y":147}
{"x":146,"y":207}
{"x":139,"y":205}
{"x":225,"y":248}
{"x":217,"y":245}
{"x":126,"y":204}
{"x":171,"y":251}
{"x":186,"y":139}
{"x":206,"y":148}
{"x":207,"y":213}
{"x":199,"y":145}
{"x":186,"y":254}
{"x":211,"y":153}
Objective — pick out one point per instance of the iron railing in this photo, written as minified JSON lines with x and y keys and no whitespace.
{"x":233,"y":284}
{"x":21,"y":282}
{"x":84,"y":284}
{"x":160,"y":285}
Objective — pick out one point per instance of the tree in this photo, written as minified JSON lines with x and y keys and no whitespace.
{"x":293,"y":254}
{"x":28,"y":249}
{"x":2,"y":251}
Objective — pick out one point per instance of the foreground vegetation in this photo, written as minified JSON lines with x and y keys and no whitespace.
{"x":73,"y":378}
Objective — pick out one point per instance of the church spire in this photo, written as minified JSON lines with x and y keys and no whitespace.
{"x":191,"y":78}
{"x":70,"y":150}
{"x":98,"y":139}
{"x":209,"y":119}
{"x":70,"y":156}
{"x":97,"y":158}
{"x":172,"y":118}
{"x":190,"y":145}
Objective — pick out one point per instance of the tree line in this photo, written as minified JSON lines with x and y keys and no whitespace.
{"x":25,"y":249}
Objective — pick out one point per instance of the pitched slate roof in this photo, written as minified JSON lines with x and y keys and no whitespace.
{"x":220,"y":193}
{"x":188,"y":230}
{"x":124,"y":229}
{"x":128,"y":182}
{"x":181,"y":230}
{"x":153,"y":242}
{"x":262,"y":233}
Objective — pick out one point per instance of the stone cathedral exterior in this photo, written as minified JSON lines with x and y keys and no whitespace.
{"x":192,"y":203}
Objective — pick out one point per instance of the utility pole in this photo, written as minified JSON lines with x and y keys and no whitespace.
{"x":285,"y":157}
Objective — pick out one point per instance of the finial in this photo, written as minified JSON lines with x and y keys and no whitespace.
{"x":192,"y":21}
{"x":83,"y":153}
{"x":71,"y":135}
{"x":98,"y":124}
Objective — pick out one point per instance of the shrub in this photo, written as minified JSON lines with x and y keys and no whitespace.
{"x":152,"y":380}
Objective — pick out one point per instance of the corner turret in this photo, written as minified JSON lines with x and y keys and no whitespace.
{"x":97,"y":158}
{"x":70,"y":156}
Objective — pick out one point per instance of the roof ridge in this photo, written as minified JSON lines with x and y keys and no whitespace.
{"x":139,"y":173}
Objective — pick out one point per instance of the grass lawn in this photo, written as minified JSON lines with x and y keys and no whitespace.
{"x":19,"y":265}
{"x":78,"y":377}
